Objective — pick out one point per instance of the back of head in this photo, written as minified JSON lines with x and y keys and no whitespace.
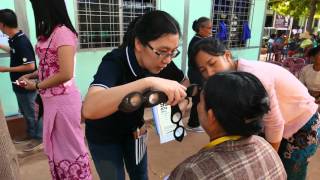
{"x":314,"y":51}
{"x":151,"y":26}
{"x":238,"y":100}
{"x":8,"y":18}
{"x":49,"y":14}
{"x":272,"y":36}
{"x":209,"y":45}
{"x":199,"y":23}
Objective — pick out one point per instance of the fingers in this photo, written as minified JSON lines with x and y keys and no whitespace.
{"x":174,"y":90}
{"x":177,"y":97}
{"x":179,"y":94}
{"x":30,"y":84}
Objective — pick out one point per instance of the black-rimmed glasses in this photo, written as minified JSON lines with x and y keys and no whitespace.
{"x":163,"y":54}
{"x":134,"y":100}
{"x":176,"y":117}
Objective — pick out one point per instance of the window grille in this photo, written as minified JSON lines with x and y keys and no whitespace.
{"x":102,"y":23}
{"x":233,"y":13}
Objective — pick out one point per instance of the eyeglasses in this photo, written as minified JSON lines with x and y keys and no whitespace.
{"x":162,"y":54}
{"x":134,"y":100}
{"x":176,"y":117}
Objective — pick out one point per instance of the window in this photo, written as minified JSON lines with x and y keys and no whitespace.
{"x":233,"y":13}
{"x":102,"y":23}
{"x":269,"y":21}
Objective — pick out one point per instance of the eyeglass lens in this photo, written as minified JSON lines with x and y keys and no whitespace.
{"x":176,"y":116}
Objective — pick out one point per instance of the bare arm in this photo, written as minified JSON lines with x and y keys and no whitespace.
{"x":33,"y":75}
{"x":5,"y":48}
{"x":21,"y":68}
{"x":100,"y":102}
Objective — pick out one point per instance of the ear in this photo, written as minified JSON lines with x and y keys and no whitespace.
{"x":137,"y":44}
{"x":211,"y":117}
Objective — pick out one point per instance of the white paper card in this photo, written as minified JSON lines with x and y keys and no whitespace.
{"x":162,"y":120}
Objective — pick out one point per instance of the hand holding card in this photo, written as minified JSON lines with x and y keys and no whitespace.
{"x":20,"y":83}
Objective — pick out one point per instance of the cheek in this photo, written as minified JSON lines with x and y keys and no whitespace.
{"x":221,"y":67}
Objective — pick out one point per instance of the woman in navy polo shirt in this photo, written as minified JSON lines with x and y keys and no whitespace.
{"x":143,"y":62}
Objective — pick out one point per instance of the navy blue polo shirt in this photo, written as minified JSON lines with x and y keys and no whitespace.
{"x":120,"y":67}
{"x":21,"y":53}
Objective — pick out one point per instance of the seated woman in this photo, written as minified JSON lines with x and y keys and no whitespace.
{"x":310,"y":74}
{"x":231,"y":109}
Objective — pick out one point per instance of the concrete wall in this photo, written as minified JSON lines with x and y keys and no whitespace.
{"x":185,"y":11}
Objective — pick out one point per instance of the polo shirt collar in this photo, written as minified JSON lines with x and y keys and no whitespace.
{"x":18,"y":34}
{"x":134,"y":66}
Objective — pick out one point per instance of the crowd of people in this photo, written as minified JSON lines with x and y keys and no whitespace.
{"x":248,"y":109}
{"x":280,"y":45}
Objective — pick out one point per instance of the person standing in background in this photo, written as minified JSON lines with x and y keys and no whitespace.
{"x":310,"y":74}
{"x":22,"y":61}
{"x":56,"y":48}
{"x":203,"y":28}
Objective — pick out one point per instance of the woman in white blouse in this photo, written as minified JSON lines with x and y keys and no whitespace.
{"x":310,"y":74}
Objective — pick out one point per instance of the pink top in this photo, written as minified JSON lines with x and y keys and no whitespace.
{"x":61,"y":36}
{"x":291,"y":106}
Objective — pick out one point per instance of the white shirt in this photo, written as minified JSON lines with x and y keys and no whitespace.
{"x":310,"y":78}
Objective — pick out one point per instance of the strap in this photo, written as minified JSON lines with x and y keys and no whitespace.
{"x":45,"y":56}
{"x":221,"y":140}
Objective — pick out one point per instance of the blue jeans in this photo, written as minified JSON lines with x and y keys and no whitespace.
{"x":109,"y":160}
{"x":27,"y":108}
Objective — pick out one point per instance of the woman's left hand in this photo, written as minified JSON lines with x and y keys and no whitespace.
{"x":30,"y":84}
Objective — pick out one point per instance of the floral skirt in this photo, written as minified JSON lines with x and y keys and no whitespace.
{"x":296,"y":151}
{"x":63,"y":138}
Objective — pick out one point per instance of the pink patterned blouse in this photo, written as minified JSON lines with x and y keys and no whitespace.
{"x":61,"y":36}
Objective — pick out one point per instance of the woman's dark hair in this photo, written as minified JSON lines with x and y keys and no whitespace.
{"x":199,"y":23}
{"x":209,"y":45}
{"x":8,"y":18}
{"x":49,"y":14}
{"x":129,"y":32}
{"x":238,"y":100}
{"x":149,"y":27}
{"x":314,"y":51}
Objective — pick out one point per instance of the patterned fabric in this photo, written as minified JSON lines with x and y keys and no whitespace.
{"x":66,"y":169}
{"x":49,"y":66}
{"x":247,"y":158}
{"x":297,"y":150}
